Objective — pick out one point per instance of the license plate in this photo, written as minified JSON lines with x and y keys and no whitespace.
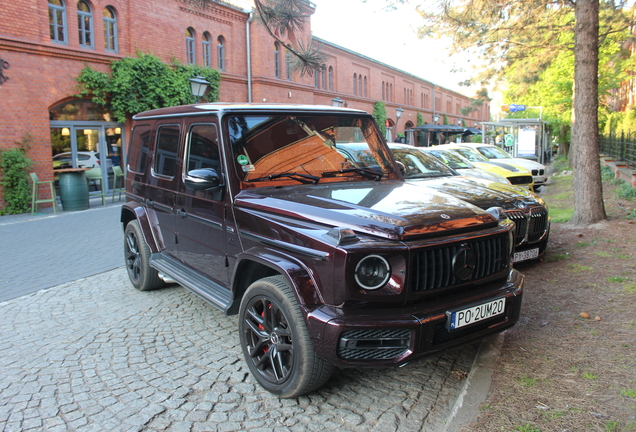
{"x":526,"y":255}
{"x":475,"y":314}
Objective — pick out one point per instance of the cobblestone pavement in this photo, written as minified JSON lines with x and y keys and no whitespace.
{"x":97,"y":355}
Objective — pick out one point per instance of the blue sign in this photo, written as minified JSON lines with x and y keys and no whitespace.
{"x":515,"y":107}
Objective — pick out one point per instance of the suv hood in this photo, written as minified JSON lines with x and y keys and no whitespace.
{"x":389,"y":209}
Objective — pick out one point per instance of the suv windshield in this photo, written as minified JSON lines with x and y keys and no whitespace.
{"x":451,"y":159}
{"x":283,"y":149}
{"x":417,"y":164}
{"x":471,"y":155}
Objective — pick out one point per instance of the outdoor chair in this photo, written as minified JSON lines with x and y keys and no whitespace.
{"x":117,"y":186}
{"x":93,"y":176}
{"x":35,"y":194}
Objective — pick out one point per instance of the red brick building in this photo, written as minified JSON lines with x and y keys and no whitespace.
{"x":44,"y":44}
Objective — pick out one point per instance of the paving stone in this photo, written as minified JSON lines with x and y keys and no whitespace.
{"x":91,"y":353}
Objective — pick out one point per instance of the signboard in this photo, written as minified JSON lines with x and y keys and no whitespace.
{"x":516,"y":108}
{"x":527,"y":140}
{"x":509,"y":140}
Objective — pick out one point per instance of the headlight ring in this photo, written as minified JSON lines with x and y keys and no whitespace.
{"x":372,"y":272}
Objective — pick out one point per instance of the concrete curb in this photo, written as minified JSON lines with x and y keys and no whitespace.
{"x":475,"y":389}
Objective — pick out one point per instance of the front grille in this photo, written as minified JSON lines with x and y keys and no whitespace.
{"x":374,"y":344}
{"x":520,"y":180}
{"x":521,"y":224}
{"x":538,"y":224}
{"x":433,"y":268}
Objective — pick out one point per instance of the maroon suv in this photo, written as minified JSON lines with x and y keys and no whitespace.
{"x":328,"y":260}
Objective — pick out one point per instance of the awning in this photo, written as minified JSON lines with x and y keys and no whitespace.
{"x":472,"y":131}
{"x":448,"y":129}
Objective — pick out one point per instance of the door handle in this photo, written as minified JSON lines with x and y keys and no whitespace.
{"x":150,"y":203}
{"x":182,"y":213}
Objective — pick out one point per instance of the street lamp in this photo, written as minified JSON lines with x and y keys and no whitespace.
{"x":435,"y":118}
{"x":337,"y":102}
{"x":459,"y":122}
{"x":398,"y":112}
{"x":199,"y":85}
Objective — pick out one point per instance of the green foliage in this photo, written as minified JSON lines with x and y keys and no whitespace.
{"x":143,"y":83}
{"x":379,"y":114}
{"x":446,"y":123}
{"x":626,"y":192}
{"x":14,"y":166}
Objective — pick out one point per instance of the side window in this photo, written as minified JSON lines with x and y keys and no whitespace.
{"x":205,"y":50}
{"x":166,"y":151}
{"x":190,"y":51}
{"x":203,"y":148}
{"x":220,"y":53}
{"x":139,"y":149}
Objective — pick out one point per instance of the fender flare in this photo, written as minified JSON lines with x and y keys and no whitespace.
{"x":147,"y":222}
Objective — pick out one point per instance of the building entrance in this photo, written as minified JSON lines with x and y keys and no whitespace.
{"x":82,"y":136}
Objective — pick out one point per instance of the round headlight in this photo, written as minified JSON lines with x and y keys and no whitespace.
{"x":372,"y":272}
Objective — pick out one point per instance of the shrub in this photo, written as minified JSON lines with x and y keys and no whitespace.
{"x":14,"y":166}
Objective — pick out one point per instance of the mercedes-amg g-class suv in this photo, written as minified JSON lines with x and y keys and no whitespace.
{"x":329,"y":261}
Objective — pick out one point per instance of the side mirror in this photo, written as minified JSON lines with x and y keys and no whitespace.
{"x":202,"y":179}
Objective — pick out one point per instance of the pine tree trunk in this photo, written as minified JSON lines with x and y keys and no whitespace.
{"x":587,"y":184}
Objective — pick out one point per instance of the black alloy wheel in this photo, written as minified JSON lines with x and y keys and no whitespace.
{"x":275,"y":341}
{"x":137,"y":256}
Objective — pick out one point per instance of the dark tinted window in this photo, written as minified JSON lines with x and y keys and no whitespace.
{"x":203,"y":148}
{"x":166,"y":151}
{"x":139,"y":149}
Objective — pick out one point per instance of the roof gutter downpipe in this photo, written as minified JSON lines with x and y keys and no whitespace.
{"x":249,"y":56}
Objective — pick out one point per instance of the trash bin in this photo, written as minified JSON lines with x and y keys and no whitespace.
{"x":73,"y":189}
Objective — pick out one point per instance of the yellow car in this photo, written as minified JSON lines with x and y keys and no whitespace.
{"x":517,"y":175}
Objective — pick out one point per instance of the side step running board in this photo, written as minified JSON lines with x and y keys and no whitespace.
{"x":210,"y":291}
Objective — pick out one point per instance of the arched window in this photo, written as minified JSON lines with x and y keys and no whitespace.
{"x":359,"y":85}
{"x":85,"y":24}
{"x":288,"y":65}
{"x":190,"y":52}
{"x":323,"y":75}
{"x":220,"y":53}
{"x":331,"y":78}
{"x":110,"y":29}
{"x":390,"y":92}
{"x":383,"y":94}
{"x":355,"y":84}
{"x":277,"y":59}
{"x":57,"y":21}
{"x":205,"y":50}
{"x":365,"y":86}
{"x":317,"y":78}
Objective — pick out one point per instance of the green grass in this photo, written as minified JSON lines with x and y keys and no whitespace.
{"x":576,"y":268}
{"x":630,"y":393}
{"x":553,"y":414}
{"x":526,"y":381}
{"x":611,"y":426}
{"x":527,"y":428}
{"x":630,"y":288}
{"x":560,"y":215}
{"x":589,"y":376}
{"x":554,"y":257}
{"x":617,"y":279}
{"x":603,"y":254}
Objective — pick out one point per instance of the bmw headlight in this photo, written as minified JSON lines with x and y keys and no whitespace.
{"x":372,"y":272}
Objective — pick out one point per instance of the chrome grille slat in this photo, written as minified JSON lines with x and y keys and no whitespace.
{"x":433,"y":268}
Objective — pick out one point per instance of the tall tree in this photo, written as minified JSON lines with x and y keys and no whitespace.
{"x":526,"y":33}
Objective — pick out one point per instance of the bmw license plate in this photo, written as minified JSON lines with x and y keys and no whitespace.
{"x":526,"y":255}
{"x":475,"y":314}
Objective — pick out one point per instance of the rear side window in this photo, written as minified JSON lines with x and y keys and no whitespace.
{"x":139,"y":149}
{"x":166,"y":151}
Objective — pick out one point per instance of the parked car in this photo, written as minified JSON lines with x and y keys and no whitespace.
{"x":517,"y":175}
{"x":462,"y":165}
{"x":85,"y":159}
{"x":529,"y":212}
{"x":497,"y":154}
{"x":327,"y":260}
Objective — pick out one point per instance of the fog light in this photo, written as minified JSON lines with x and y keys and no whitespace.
{"x":372,"y":272}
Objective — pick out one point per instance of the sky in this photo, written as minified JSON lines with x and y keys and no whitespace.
{"x":389,"y":37}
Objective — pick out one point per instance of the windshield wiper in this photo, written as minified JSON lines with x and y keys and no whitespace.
{"x":303,"y":178}
{"x":368,"y":173}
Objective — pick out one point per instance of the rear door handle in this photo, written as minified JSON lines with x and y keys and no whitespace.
{"x":182,"y":213}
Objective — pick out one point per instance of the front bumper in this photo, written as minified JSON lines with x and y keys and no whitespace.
{"x":361,"y":337}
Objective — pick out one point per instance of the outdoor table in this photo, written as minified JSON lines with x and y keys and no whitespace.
{"x":73,"y":188}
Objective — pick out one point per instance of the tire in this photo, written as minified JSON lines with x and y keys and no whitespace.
{"x":137,"y":256}
{"x":276,"y":344}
